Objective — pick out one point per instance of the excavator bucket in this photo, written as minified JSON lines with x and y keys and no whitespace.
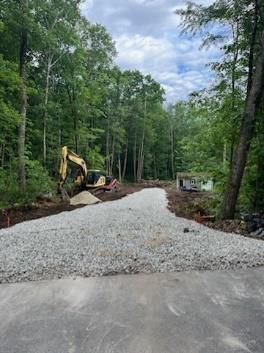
{"x":63,"y":193}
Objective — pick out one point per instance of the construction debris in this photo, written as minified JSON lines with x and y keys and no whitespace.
{"x":84,"y":198}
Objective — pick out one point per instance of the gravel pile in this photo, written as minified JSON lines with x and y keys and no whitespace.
{"x":84,"y":198}
{"x":134,"y":234}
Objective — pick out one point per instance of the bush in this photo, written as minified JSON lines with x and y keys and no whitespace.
{"x":38,"y":182}
{"x":214,"y":205}
{"x":8,"y":188}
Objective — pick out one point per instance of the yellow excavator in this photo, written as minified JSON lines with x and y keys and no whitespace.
{"x":93,"y":180}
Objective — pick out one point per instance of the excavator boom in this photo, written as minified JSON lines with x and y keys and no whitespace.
{"x":67,"y":155}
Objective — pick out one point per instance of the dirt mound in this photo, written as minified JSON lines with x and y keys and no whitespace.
{"x":188,"y":204}
{"x":84,"y":198}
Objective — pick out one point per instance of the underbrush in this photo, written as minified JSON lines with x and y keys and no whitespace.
{"x":38,"y":183}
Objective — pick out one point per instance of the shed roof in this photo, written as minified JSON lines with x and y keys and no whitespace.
{"x":193,"y":174}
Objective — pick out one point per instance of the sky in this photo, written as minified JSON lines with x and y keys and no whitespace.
{"x":148,"y":38}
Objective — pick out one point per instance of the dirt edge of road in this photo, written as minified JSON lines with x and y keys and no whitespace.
{"x":182,"y":204}
{"x":45,"y":206}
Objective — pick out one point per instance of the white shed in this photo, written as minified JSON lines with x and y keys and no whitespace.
{"x":195,"y":181}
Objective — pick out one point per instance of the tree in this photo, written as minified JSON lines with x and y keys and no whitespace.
{"x":23,"y":95}
{"x":57,"y":21}
{"x":245,"y":19}
{"x":254,"y":96}
{"x":9,"y":114}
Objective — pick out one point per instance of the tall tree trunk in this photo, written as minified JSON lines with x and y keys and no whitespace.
{"x":119,"y":169}
{"x":112,"y":157}
{"x":172,"y":151}
{"x":231,"y":152}
{"x":75,"y":122}
{"x":107,"y":152}
{"x":59,"y":129}
{"x":23,"y":103}
{"x":46,"y":100}
{"x":259,"y":183}
{"x":155,"y":167}
{"x":50,"y":64}
{"x":139,"y":162}
{"x":135,"y":158}
{"x":246,"y":131}
{"x":224,"y":154}
{"x":235,"y":30}
{"x":141,"y":150}
{"x":72,"y":100}
{"x":2,"y":155}
{"x":141,"y":168}
{"x":125,"y":162}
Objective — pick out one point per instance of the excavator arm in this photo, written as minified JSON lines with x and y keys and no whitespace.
{"x":67,"y":155}
{"x":96,"y":180}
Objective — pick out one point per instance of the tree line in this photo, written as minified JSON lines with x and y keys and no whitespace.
{"x":59,"y":85}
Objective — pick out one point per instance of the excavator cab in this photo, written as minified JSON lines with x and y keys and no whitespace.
{"x":95,"y":178}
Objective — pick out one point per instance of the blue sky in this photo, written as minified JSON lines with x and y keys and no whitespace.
{"x":147,"y":37}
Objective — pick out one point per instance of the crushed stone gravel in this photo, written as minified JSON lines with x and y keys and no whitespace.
{"x":134,"y":234}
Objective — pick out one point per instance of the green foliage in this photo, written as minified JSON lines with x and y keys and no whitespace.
{"x":76,"y":97}
{"x":95,"y":158}
{"x":236,"y":27}
{"x":9,"y":83}
{"x":38,"y":183}
{"x":8,"y":188}
{"x":38,"y":180}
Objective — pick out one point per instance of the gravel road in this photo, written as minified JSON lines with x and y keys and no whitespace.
{"x":135,"y":234}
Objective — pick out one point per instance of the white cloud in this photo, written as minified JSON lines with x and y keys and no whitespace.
{"x":140,"y":52}
{"x":147,"y":37}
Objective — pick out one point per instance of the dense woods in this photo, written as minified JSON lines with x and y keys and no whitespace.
{"x":59,"y":85}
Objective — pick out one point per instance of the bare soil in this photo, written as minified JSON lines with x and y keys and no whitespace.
{"x":188,"y":204}
{"x":195,"y":206}
{"x":18,"y":214}
{"x":44,"y":207}
{"x":122,"y":191}
{"x":182,"y":204}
